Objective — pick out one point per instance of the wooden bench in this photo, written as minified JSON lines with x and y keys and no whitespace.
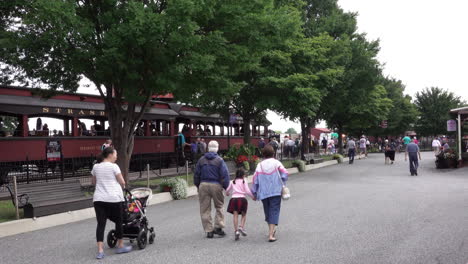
{"x":52,"y":198}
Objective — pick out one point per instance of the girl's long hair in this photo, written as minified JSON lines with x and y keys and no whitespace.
{"x":240,"y":173}
{"x":104,"y":154}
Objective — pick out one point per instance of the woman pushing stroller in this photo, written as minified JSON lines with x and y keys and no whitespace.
{"x":108,"y":199}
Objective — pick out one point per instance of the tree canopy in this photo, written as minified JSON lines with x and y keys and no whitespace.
{"x":291,"y":130}
{"x":302,"y":59}
{"x":130,"y":50}
{"x":434,"y":105}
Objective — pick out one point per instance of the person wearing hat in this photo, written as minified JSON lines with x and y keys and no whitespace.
{"x":211,"y":177}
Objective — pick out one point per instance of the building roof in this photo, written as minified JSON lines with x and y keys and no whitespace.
{"x":461,"y":110}
{"x":323,"y":130}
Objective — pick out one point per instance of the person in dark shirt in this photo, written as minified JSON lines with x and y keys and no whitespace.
{"x":324,"y":145}
{"x":412,"y":151}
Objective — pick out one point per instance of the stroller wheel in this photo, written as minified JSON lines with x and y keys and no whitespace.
{"x":151,"y":236}
{"x":111,"y":239}
{"x":142,"y":239}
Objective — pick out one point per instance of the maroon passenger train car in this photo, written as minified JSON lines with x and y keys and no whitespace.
{"x":155,"y":135}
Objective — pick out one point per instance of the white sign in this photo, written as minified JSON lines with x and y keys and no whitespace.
{"x":451,"y":125}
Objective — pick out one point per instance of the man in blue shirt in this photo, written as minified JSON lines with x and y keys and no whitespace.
{"x":412,"y":150}
{"x":211,"y":177}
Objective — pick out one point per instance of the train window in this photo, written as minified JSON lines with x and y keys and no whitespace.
{"x":45,"y":126}
{"x":9,"y":126}
{"x":92,"y":127}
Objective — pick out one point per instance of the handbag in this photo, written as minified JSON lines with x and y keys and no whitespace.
{"x":285,"y":192}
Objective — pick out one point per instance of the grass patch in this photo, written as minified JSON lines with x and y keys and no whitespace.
{"x":327,"y":157}
{"x":287,"y":164}
{"x":7,"y":211}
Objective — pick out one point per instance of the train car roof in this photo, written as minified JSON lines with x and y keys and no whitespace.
{"x":27,"y":101}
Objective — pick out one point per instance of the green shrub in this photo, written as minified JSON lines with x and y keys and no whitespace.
{"x":233,"y":152}
{"x":300,"y":164}
{"x":246,"y":166}
{"x":179,"y":188}
{"x":338,"y":157}
{"x":236,"y":150}
{"x":165,"y":183}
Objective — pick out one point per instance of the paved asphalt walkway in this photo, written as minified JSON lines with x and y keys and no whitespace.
{"x":367,"y":212}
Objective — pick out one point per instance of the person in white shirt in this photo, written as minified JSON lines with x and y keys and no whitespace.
{"x":362,"y":146}
{"x":108,"y":199}
{"x":436,"y":145}
{"x":289,"y":147}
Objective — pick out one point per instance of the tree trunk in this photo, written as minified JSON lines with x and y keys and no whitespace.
{"x":122,"y":122}
{"x":122,"y":139}
{"x":340,"y":140}
{"x":246,"y":126}
{"x":305,"y":141}
{"x":305,"y":135}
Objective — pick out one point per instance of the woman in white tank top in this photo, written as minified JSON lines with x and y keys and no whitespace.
{"x":108,"y":199}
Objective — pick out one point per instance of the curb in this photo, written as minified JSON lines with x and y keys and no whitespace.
{"x":32,"y":224}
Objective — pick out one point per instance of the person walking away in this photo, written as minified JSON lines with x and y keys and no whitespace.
{"x":274,"y":144}
{"x":290,"y":147}
{"x":325,"y":145}
{"x":211,"y":177}
{"x":331,"y":146}
{"x":391,"y":151}
{"x":297,"y":147}
{"x":261,"y":143}
{"x":386,"y":148}
{"x":412,"y":151}
{"x":203,"y":146}
{"x":351,"y":146}
{"x":368,"y":145}
{"x":268,"y":181}
{"x":181,"y":144}
{"x":416,"y":141}
{"x":108,"y":199}
{"x":436,"y":145}
{"x":106,"y":144}
{"x":238,"y":204}
{"x":362,"y":146}
{"x":194,"y":150}
{"x":406,"y":141}
{"x":446,"y":146}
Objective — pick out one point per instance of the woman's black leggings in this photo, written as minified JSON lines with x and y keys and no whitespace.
{"x":111,"y":211}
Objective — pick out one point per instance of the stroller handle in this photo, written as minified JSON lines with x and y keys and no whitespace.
{"x":127,"y":192}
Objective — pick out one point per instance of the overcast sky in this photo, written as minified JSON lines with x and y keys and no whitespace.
{"x":423,"y":42}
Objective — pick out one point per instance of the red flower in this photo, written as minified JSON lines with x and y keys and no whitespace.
{"x":242,"y":158}
{"x":254,"y":158}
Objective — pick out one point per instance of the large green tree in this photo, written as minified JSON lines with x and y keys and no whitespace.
{"x":357,"y":102}
{"x":253,"y":31}
{"x":403,"y":113}
{"x":303,"y":72}
{"x":129,"y":49}
{"x":434,"y":105}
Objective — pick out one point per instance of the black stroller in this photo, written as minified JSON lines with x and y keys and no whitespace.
{"x":135,"y":222}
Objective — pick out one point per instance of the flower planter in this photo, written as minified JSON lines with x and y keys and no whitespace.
{"x":451,"y":163}
{"x":166,"y":188}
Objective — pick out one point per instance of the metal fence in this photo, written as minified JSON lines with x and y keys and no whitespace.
{"x":41,"y":171}
{"x":37,"y":171}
